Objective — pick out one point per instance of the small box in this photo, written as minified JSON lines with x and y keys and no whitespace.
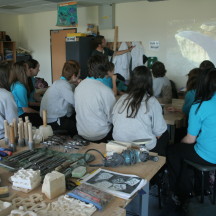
{"x":76,"y":35}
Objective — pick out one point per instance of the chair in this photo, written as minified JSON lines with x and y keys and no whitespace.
{"x":203,"y":169}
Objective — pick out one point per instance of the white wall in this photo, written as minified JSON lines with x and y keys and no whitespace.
{"x":9,"y":24}
{"x":35,"y":34}
{"x":140,"y":21}
{"x":161,"y":21}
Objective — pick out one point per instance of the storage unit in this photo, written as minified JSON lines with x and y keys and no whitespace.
{"x":2,"y":35}
{"x":80,"y":51}
{"x":7,"y":51}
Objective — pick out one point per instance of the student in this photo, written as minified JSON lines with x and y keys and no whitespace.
{"x":94,"y":103}
{"x":199,"y":144}
{"x":20,"y":89}
{"x":138,"y":114}
{"x":190,"y":93}
{"x":58,"y":100}
{"x":110,"y":79}
{"x":33,"y":68}
{"x":161,"y":84}
{"x":102,"y":50}
{"x":8,"y":108}
{"x":114,"y":81}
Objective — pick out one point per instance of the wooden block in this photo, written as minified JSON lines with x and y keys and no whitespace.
{"x":54,"y":184}
{"x":117,"y":147}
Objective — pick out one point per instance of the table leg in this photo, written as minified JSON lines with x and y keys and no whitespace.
{"x":140,"y":203}
{"x":171,"y":129}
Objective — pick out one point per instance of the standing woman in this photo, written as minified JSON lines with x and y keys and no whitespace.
{"x":199,"y":145}
{"x":8,"y":108}
{"x":21,"y":91}
{"x":138,"y":114}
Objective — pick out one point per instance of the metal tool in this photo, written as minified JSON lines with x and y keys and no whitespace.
{"x":37,"y":156}
{"x":19,"y":154}
{"x":27,"y":156}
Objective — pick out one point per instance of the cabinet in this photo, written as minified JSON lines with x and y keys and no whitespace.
{"x":7,"y":51}
{"x":80,"y":51}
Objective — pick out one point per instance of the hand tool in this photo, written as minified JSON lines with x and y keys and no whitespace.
{"x":21,"y":135}
{"x":37,"y":156}
{"x":30,"y":140}
{"x":26,"y":133}
{"x":45,"y":130}
{"x":12,"y":138}
{"x":6,"y":139}
{"x":15,"y":130}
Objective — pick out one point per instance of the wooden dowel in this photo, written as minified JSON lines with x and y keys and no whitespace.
{"x":30,"y":132}
{"x":44,"y":118}
{"x":6,"y":128}
{"x":15,"y":127}
{"x":26,"y":118}
{"x":26,"y":131}
{"x":12,"y":138}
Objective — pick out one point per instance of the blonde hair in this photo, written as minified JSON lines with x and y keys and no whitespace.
{"x":18,"y":73}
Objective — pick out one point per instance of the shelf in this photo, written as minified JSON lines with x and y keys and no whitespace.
{"x":7,"y":45}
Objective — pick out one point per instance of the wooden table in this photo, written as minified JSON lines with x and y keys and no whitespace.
{"x":144,"y":170}
{"x":174,"y":119}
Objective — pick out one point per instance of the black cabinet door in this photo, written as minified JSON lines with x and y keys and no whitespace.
{"x":80,"y":51}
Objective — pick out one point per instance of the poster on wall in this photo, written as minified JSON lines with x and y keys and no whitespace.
{"x":154,"y":45}
{"x":67,"y":14}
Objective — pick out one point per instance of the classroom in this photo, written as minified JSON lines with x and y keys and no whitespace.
{"x":179,"y":33}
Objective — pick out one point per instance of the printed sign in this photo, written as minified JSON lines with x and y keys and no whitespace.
{"x":154,"y":45}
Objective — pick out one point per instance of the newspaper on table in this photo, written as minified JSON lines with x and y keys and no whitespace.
{"x":117,"y":184}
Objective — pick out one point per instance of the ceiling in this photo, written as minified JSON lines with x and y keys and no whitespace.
{"x":35,"y":6}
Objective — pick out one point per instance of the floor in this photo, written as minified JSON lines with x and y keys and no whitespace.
{"x":168,"y":207}
{"x":193,"y":207}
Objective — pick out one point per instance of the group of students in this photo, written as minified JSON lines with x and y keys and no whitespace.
{"x":99,"y":118}
{"x":18,"y":97}
{"x":199,"y":143}
{"x":89,"y":108}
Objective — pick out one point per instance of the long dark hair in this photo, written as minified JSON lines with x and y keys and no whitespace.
{"x":206,"y":86}
{"x":4,"y":74}
{"x":192,"y":79}
{"x":140,"y":85}
{"x":32,"y":63}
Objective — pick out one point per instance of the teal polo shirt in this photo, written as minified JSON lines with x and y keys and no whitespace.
{"x":203,"y":125}
{"x":106,"y":81}
{"x":20,"y":96}
{"x":188,"y":101}
{"x":63,"y":78}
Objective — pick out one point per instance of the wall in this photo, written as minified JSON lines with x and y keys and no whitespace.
{"x":35,"y":34}
{"x":9,"y":24}
{"x":162,"y":21}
